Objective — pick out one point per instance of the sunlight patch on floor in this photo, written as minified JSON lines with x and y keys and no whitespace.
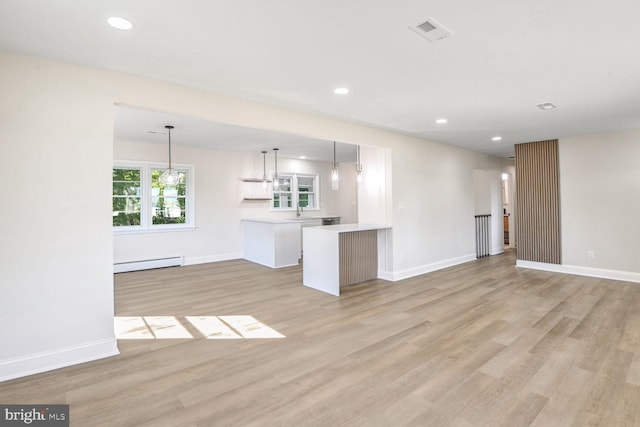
{"x":249,"y":327}
{"x":149,"y":327}
{"x":132,"y":328}
{"x":167,"y":327}
{"x":210,"y":327}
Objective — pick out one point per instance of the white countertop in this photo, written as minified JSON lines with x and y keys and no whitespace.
{"x":290,"y":220}
{"x":347,"y":228}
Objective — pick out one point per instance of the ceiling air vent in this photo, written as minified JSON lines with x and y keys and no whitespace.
{"x":546,"y":106}
{"x":431,"y":30}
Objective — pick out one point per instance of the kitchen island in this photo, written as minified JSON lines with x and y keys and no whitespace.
{"x":277,"y":243}
{"x":339,"y":255}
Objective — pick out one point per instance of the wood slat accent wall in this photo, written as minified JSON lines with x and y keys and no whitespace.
{"x":538,"y":202}
{"x":358,"y":256}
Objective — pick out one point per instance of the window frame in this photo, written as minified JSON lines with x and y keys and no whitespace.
{"x":146,"y":194}
{"x":295,"y":195}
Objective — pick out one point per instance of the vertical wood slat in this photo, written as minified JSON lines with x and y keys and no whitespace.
{"x":482,"y":235}
{"x":358,"y":256}
{"x":538,"y":202}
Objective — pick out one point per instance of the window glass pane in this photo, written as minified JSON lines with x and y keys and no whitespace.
{"x":305,"y":184}
{"x":126,"y":204}
{"x":120,"y":174}
{"x":121,"y":219}
{"x":126,"y":211}
{"x":126,"y":188}
{"x":285,"y":200}
{"x":168,"y":210}
{"x":285,"y":184}
{"x":155,"y":174}
{"x":306,"y":200}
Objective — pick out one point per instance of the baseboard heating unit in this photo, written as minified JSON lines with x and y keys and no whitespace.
{"x":122,"y":267}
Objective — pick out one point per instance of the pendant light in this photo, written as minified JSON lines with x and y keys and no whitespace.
{"x":169,"y":177}
{"x":276,"y":182}
{"x":334,"y":170}
{"x":264,"y":169}
{"x":358,"y":165}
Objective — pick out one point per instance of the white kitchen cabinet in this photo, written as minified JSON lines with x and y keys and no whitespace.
{"x":273,"y":243}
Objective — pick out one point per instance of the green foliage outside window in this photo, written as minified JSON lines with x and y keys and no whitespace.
{"x":126,"y":197}
{"x":168,"y":204}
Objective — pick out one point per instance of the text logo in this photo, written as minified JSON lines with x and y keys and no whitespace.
{"x":34,"y":415}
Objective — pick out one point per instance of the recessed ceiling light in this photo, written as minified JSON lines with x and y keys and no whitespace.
{"x":546,"y":106}
{"x":341,"y":91}
{"x":303,"y":157}
{"x":496,"y":138}
{"x":120,"y":23}
{"x":441,"y":121}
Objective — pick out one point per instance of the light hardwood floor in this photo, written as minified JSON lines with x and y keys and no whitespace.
{"x":481,"y":344}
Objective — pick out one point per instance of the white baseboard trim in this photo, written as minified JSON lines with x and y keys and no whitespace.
{"x":427,"y":268}
{"x":123,"y":267}
{"x":385,"y":275}
{"x":211,"y":258}
{"x":50,"y":360}
{"x":625,"y":276}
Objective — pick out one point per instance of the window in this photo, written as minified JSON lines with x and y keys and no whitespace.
{"x":168,"y":204}
{"x":141,"y":203}
{"x":294,"y":190}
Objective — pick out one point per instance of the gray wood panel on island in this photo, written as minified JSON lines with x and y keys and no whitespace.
{"x":341,"y":255}
{"x":358,"y":256}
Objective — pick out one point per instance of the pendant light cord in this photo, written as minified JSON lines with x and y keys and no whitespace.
{"x":275,"y":152}
{"x":169,"y":127}
{"x":264,"y":165}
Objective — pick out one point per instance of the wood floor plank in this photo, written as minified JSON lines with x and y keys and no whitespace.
{"x":480,"y":344}
{"x":565,"y":403}
{"x":627,"y":412}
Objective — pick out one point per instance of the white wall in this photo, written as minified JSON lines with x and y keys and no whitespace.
{"x":57,"y":288}
{"x":374,"y":192}
{"x":600,"y":201}
{"x":56,"y":303}
{"x":497,"y":217}
{"x":510,"y":169}
{"x":219,"y":207}
{"x":482,"y":192}
{"x":433,"y":205}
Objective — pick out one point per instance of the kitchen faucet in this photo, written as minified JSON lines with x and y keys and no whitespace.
{"x":298,"y":209}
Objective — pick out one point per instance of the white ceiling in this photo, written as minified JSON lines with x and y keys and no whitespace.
{"x":505,"y":56}
{"x":149,"y":126}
